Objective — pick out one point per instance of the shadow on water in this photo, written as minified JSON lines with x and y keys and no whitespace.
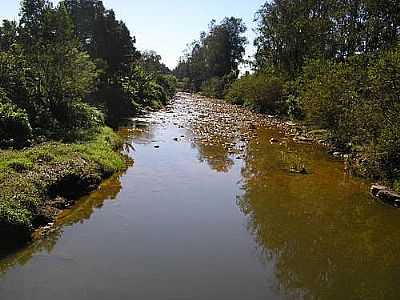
{"x":45,"y":240}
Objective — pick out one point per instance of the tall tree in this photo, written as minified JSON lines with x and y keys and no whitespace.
{"x":151,"y":62}
{"x":292,"y":31}
{"x":8,"y":34}
{"x":31,"y":20}
{"x":102,"y":35}
{"x":217,"y":54}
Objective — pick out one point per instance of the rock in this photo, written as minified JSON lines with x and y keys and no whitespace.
{"x":376,"y":188}
{"x":390,"y":197}
{"x":337,"y":154}
{"x":303,"y":139}
{"x":156,"y":146}
{"x":274,"y":141}
{"x":290,"y":123}
{"x":386,"y":195}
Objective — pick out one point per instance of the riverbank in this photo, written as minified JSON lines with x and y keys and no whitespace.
{"x":355,"y":162}
{"x":215,"y":209}
{"x":38,"y":182}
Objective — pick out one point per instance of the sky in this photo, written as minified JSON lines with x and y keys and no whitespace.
{"x":167,"y":26}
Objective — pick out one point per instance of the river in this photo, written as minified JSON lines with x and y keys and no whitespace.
{"x":210,"y":210}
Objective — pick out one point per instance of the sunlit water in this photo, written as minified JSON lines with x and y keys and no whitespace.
{"x":190,"y":221}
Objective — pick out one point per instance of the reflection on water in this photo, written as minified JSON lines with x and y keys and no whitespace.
{"x":328,"y":239}
{"x":215,"y":154}
{"x":46,"y":240}
{"x":176,"y":231}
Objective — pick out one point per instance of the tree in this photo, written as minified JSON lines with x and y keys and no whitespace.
{"x":151,"y":62}
{"x":291,"y":32}
{"x":217,"y":54}
{"x":106,"y":39}
{"x":30,"y":24}
{"x":8,"y":35}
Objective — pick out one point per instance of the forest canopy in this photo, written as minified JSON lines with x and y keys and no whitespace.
{"x":72,"y":67}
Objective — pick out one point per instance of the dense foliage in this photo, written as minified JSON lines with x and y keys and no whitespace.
{"x":334,"y":64}
{"x":337,"y":64}
{"x":358,"y":101}
{"x":212,"y":62}
{"x":291,"y":32}
{"x":14,"y":124}
{"x":261,"y":92}
{"x":70,"y":67}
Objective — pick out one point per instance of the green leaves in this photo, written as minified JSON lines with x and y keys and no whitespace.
{"x":292,"y":32}
{"x":15,"y":129}
{"x":217,"y":54}
{"x":262,"y":92}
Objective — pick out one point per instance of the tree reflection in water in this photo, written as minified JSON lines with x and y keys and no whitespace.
{"x":215,"y":154}
{"x":326,"y":240}
{"x":79,"y":213}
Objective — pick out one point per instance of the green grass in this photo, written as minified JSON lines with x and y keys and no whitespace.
{"x":30,"y":178}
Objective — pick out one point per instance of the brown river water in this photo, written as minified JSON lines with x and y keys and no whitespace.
{"x":209,"y":210}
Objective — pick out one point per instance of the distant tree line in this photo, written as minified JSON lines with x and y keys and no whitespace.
{"x":72,"y":67}
{"x":212,"y":62}
{"x":334,"y":64}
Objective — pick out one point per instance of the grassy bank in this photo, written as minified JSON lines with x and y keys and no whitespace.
{"x":37,"y":182}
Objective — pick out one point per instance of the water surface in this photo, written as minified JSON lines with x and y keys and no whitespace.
{"x":214,"y":213}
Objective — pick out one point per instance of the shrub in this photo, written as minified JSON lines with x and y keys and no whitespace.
{"x":168,"y":83}
{"x":214,"y":87}
{"x":331,"y":95}
{"x":384,"y":96}
{"x":15,"y":129}
{"x":357,"y":100}
{"x":397,"y":185}
{"x":184,"y":84}
{"x":294,"y":109}
{"x":82,"y":115}
{"x":262,"y":92}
